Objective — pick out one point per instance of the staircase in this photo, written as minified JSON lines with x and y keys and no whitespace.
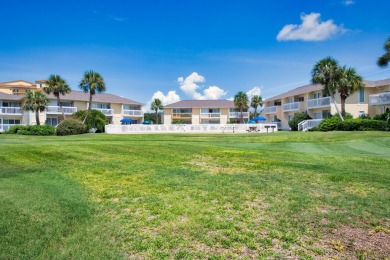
{"x":306,"y":125}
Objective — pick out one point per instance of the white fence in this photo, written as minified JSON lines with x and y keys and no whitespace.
{"x":204,"y":128}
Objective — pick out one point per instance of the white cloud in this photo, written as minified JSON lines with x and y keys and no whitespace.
{"x":311,"y":29}
{"x":170,"y":97}
{"x":190,"y":86}
{"x":348,"y":2}
{"x":254,"y":91}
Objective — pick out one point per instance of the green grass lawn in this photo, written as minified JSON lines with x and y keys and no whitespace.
{"x":280,"y":195}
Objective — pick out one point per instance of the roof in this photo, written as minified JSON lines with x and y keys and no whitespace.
{"x":316,"y":87}
{"x":5,"y":96}
{"x":103,"y":97}
{"x":219,"y":103}
{"x":20,"y":80}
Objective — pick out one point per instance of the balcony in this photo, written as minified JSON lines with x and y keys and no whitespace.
{"x":182,"y":115}
{"x":238,"y":114}
{"x":210,"y":115}
{"x":380,"y":99}
{"x":318,"y":103}
{"x":106,"y":111}
{"x":133,"y":112}
{"x":291,"y":107}
{"x":270,"y":110}
{"x":10,"y":110}
{"x":57,"y":110}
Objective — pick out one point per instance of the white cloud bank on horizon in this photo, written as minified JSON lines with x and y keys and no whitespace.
{"x":311,"y":29}
{"x":169,"y":98}
{"x":190,"y":86}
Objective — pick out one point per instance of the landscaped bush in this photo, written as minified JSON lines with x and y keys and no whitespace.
{"x":71,"y":126}
{"x":96,"y":119}
{"x":330,"y":123}
{"x":14,"y":129}
{"x":298,"y":117}
{"x":362,"y":125}
{"x":37,"y":130}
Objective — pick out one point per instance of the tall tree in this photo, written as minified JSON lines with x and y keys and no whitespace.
{"x":156,"y":106}
{"x":256,"y":102}
{"x":241,"y":102}
{"x":93,"y":83}
{"x":36,"y":102}
{"x":58,"y":86}
{"x":349,"y":83}
{"x":327,"y":73}
{"x":383,"y":61}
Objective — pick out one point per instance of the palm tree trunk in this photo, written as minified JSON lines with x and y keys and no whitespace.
{"x":156,"y":117}
{"x":89,"y":108}
{"x":343,"y":98}
{"x":242,"y":117}
{"x":337,"y":109}
{"x":37,"y":117}
{"x":59,"y":103}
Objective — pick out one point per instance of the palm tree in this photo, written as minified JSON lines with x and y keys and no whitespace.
{"x":156,"y":105}
{"x":349,"y":83}
{"x":383,"y":61}
{"x":241,"y":103}
{"x":58,"y":86}
{"x":36,"y":102}
{"x":256,"y":102}
{"x":327,"y":73}
{"x":93,"y":83}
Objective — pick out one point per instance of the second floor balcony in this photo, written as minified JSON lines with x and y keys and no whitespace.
{"x":133,"y":112}
{"x":10,"y":110}
{"x":210,"y":115}
{"x":380,"y":99}
{"x":182,"y":115}
{"x":291,"y":106}
{"x":238,"y":114}
{"x":270,"y":110}
{"x":106,"y":111}
{"x":57,"y":110}
{"x":318,"y":102}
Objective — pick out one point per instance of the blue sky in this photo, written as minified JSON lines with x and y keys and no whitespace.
{"x":190,"y":49}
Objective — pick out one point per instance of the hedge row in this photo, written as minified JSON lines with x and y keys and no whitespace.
{"x":335,"y":124}
{"x":32,"y":130}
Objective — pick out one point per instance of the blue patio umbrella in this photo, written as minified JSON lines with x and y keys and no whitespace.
{"x":259,"y":118}
{"x":127,"y":121}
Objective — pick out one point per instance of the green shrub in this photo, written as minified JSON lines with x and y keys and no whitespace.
{"x":298,"y":117}
{"x":96,"y":119}
{"x":329,"y":124}
{"x":14,"y":129}
{"x":362,"y":125}
{"x":37,"y":130}
{"x":71,"y":126}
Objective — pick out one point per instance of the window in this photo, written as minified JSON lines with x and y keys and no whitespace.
{"x":53,"y":121}
{"x":209,"y":110}
{"x":15,"y":90}
{"x":361,"y":95}
{"x":361,"y":113}
{"x":301,"y":99}
{"x":182,"y":110}
{"x":277,"y":103}
{"x":101,"y":106}
{"x":11,"y":121}
{"x":317,"y":115}
{"x":11,"y":104}
{"x":129,"y":107}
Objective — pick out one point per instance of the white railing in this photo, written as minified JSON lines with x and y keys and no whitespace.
{"x":57,"y":110}
{"x":106,"y":111}
{"x":182,"y":114}
{"x":210,"y":115}
{"x":10,"y":110}
{"x":133,"y":112}
{"x":206,"y":128}
{"x":279,"y":124}
{"x":291,"y":106}
{"x":269,"y":110}
{"x":309,"y":124}
{"x":318,"y":102}
{"x":6,"y":127}
{"x":238,"y":114}
{"x":380,"y":99}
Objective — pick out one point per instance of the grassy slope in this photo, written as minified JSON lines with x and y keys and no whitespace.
{"x":189,"y":196}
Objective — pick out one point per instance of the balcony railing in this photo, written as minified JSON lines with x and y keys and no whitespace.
{"x":380,"y":99}
{"x":291,"y":106}
{"x":210,"y":115}
{"x":182,"y":115}
{"x":269,"y":110}
{"x":238,"y":114}
{"x":133,"y":112}
{"x":57,"y":110}
{"x":106,"y":111}
{"x":10,"y":110}
{"x":318,"y":102}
